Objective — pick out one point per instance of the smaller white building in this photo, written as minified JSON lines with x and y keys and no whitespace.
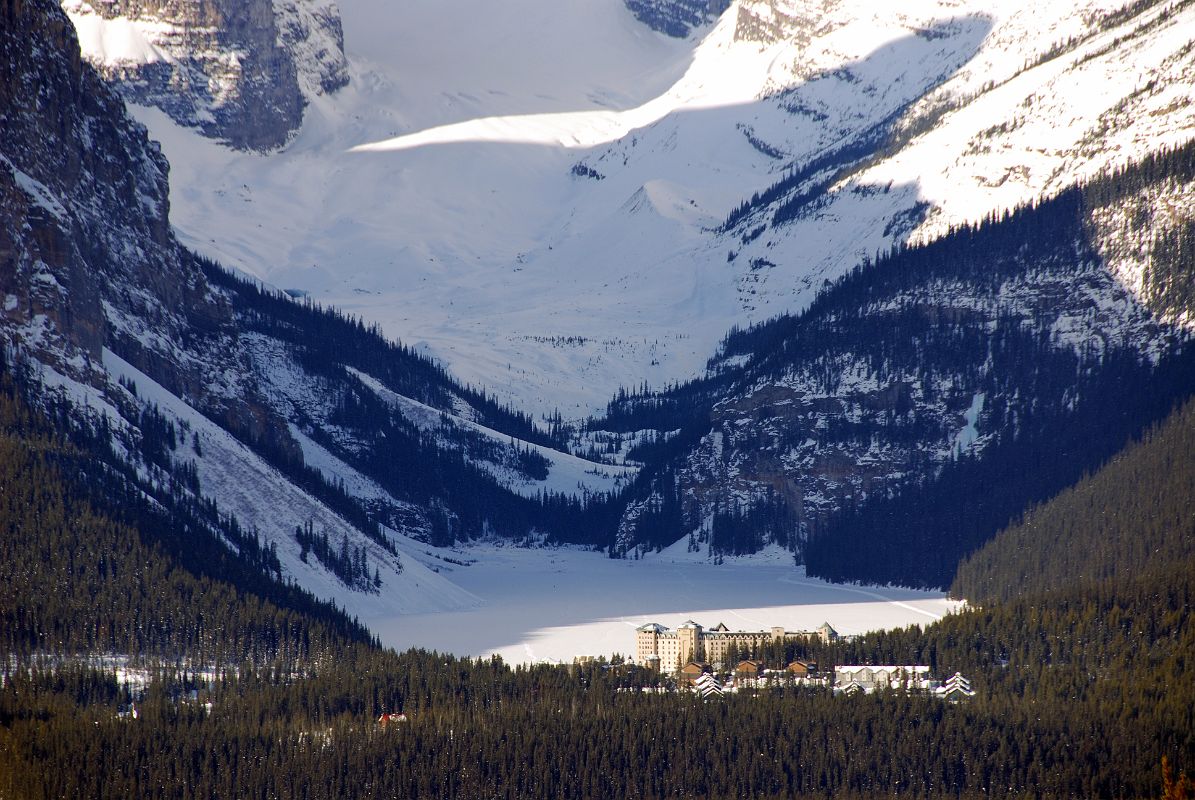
{"x":707,"y":686}
{"x":867,"y":678}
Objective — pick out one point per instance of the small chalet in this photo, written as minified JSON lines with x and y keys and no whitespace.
{"x":802,"y":669}
{"x":693,"y":670}
{"x":956,"y":689}
{"x":748,"y":670}
{"x":707,"y":686}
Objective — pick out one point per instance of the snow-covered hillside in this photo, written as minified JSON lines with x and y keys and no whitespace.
{"x":265,"y":500}
{"x":536,"y":190}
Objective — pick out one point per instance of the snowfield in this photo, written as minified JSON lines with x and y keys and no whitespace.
{"x":532,"y":191}
{"x":551,"y":605}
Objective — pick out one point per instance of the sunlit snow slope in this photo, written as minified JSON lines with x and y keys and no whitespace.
{"x":537,"y":190}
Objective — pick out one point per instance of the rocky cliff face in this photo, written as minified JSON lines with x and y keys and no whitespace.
{"x":87,"y":257}
{"x":676,"y":17}
{"x":768,"y":21}
{"x":238,"y":70}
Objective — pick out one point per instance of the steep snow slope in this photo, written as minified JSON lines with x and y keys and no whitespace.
{"x":262,"y":498}
{"x":541,"y":204}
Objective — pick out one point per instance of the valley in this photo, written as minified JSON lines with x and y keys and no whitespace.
{"x":373,"y":375}
{"x":448,"y":209}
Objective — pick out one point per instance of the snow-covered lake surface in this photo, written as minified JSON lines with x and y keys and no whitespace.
{"x":551,"y":605}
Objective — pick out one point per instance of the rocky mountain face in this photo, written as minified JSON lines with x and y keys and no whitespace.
{"x":676,"y":17}
{"x":90,"y":260}
{"x":935,"y":354}
{"x":238,"y":71}
{"x":118,"y":327}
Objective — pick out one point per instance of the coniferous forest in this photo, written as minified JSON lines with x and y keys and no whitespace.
{"x":1083,"y":676}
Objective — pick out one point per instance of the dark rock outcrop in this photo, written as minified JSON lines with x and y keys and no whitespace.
{"x":239,"y":70}
{"x":676,"y":17}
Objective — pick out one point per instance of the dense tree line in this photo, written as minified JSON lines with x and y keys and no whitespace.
{"x":347,"y":563}
{"x":918,"y":535}
{"x":736,"y":531}
{"x":1080,"y":694}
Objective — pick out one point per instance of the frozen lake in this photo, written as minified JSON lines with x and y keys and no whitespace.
{"x":551,"y":605}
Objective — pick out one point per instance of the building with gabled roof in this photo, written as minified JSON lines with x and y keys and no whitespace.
{"x":869,"y":677}
{"x":693,"y":671}
{"x":801,"y":669}
{"x":707,"y":686}
{"x":748,"y":669}
{"x":955,"y":689}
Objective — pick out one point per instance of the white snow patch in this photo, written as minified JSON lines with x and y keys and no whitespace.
{"x":37,"y":191}
{"x":969,"y":433}
{"x":119,"y":41}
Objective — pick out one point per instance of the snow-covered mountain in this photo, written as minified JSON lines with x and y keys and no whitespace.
{"x":305,"y":427}
{"x":546,"y":211}
{"x":544,"y":214}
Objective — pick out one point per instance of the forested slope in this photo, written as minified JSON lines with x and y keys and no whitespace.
{"x":1131,"y":519}
{"x":92,"y":564}
{"x":1079,"y":694}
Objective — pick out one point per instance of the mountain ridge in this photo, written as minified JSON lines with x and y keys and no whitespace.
{"x":933,"y":354}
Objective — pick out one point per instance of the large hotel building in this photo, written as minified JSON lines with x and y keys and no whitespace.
{"x":668,"y":650}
